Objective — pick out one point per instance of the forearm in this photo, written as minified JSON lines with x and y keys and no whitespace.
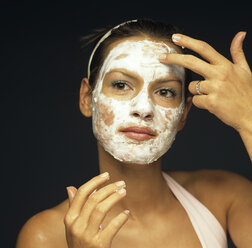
{"x":246,"y":136}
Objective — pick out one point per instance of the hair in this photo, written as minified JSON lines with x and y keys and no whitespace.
{"x":142,"y":27}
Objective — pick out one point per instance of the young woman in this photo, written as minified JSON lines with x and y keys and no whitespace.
{"x":136,"y":93}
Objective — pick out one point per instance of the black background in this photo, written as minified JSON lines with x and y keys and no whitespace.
{"x":46,"y":143}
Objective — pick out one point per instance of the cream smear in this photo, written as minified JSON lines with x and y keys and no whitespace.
{"x":110,"y":114}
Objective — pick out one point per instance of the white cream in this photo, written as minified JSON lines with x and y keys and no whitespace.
{"x":110,"y":114}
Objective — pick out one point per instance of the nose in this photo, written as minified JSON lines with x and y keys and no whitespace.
{"x":142,"y":107}
{"x":143,"y":116}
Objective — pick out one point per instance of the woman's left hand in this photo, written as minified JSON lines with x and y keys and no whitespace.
{"x":227,"y":88}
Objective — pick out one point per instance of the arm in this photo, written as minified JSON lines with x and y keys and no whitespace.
{"x":245,"y":129}
{"x":239,"y":216}
{"x":246,"y":135}
{"x":227,"y":88}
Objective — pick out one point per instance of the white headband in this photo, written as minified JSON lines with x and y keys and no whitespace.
{"x":101,"y":40}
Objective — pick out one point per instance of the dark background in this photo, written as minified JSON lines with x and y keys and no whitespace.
{"x":46,"y":143}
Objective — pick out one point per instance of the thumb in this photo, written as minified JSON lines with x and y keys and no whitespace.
{"x":237,"y":53}
{"x":71,"y":191}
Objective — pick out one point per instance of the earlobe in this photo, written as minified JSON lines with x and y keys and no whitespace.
{"x":85,"y":98}
{"x":188,"y":105}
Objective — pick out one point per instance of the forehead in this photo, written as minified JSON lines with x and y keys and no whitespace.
{"x":143,"y":38}
{"x":138,"y":49}
{"x":143,"y":48}
{"x":140,"y":56}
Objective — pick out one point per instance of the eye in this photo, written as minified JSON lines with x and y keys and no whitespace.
{"x":120,"y":85}
{"x":167,"y":93}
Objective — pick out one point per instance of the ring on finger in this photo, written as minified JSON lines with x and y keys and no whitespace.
{"x":197,"y":88}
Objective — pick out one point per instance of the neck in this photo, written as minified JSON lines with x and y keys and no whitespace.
{"x":147,"y":190}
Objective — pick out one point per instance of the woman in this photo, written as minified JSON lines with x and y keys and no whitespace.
{"x":136,"y":93}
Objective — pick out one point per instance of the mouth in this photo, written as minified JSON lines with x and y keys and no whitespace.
{"x":138,"y":133}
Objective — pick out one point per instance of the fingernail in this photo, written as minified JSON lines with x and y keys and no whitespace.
{"x":121,"y":191}
{"x":176,"y":38}
{"x":105,"y":174}
{"x":69,"y":192}
{"x":244,"y":35}
{"x":67,"y":189}
{"x":162,"y":56}
{"x":126,"y":211}
{"x":93,"y":192}
{"x":120,"y":183}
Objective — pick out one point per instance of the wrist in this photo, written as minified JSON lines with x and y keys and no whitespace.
{"x":245,"y":127}
{"x":245,"y":132}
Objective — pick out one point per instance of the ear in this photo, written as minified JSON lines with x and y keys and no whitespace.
{"x":188,"y":106}
{"x":85,"y":98}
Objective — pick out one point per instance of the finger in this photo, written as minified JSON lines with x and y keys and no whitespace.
{"x":82,"y":195}
{"x":202,"y":48}
{"x":98,"y":205}
{"x":71,"y":191}
{"x":236,"y":51}
{"x":205,"y":87}
{"x":200,"y":101}
{"x":191,"y":62}
{"x":114,"y":226}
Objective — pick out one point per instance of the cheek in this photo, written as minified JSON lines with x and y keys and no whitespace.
{"x":168,"y":115}
{"x":172,"y":117}
{"x":107,"y":114}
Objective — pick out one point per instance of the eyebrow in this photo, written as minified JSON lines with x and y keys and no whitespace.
{"x":162,"y":81}
{"x":125,"y":74}
{"x":122,"y":56}
{"x":134,"y":77}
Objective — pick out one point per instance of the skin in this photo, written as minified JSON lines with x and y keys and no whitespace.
{"x":155,"y":214}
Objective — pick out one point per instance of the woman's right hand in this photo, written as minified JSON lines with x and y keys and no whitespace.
{"x":87,"y":209}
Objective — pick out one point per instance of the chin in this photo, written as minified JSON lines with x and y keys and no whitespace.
{"x":128,"y":159}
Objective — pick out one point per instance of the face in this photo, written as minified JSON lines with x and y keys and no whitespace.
{"x":137,"y":102}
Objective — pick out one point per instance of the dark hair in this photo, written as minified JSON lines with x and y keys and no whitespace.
{"x":143,"y":27}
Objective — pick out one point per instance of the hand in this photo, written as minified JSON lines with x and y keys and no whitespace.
{"x":87,"y":211}
{"x":227,"y":88}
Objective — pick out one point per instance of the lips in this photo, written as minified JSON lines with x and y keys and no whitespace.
{"x":138,"y":133}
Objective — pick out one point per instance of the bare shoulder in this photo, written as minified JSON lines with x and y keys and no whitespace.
{"x":211,"y":179}
{"x":225,"y":185}
{"x":45,"y":229}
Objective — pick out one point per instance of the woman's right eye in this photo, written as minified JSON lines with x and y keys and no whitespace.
{"x":120,"y":85}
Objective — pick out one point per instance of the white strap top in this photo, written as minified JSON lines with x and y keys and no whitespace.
{"x":207,"y":227}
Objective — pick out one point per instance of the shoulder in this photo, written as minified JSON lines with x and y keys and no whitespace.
{"x":229,"y":197}
{"x":229,"y":184}
{"x":210,"y":178}
{"x":44,"y":229}
{"x":219,"y":190}
{"x":215,"y":181}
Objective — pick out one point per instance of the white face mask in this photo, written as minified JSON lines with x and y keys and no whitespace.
{"x":111,"y":115}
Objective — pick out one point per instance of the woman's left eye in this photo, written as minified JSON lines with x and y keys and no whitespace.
{"x":120,"y":85}
{"x":167,"y":93}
